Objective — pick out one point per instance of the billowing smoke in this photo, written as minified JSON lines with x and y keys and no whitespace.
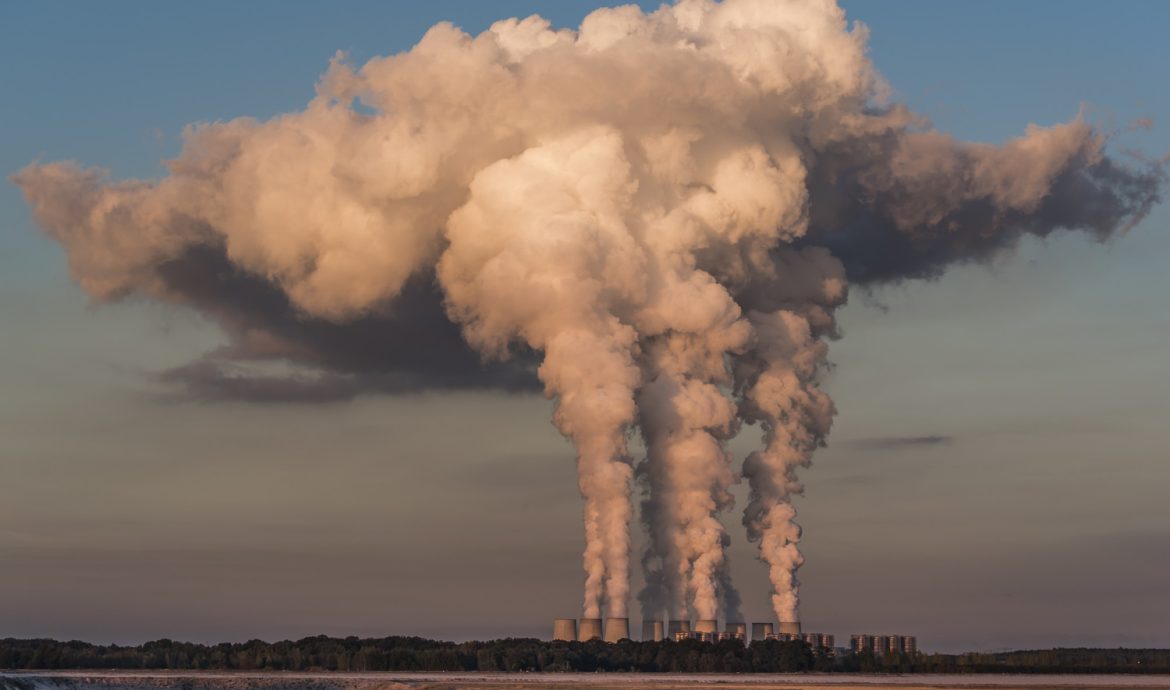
{"x":654,"y":215}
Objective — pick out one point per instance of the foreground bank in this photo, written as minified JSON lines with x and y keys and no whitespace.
{"x":415,"y":654}
{"x":145,"y":680}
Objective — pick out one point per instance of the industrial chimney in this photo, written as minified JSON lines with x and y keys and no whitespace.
{"x":617,"y":629}
{"x":760,"y":631}
{"x":652,"y":631}
{"x":565,"y":629}
{"x":590,"y":629}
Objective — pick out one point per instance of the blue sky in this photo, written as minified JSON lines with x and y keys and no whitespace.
{"x":122,"y":518}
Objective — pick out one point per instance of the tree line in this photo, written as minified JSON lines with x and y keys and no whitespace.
{"x":323,"y":653}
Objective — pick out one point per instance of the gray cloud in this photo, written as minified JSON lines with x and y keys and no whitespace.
{"x":208,"y":380}
{"x":905,"y":204}
{"x":402,"y":347}
{"x":898,"y":442}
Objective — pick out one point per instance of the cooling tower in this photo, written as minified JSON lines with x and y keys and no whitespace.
{"x":617,"y":629}
{"x":761,"y":631}
{"x":652,"y":631}
{"x":707,"y":625}
{"x":677,"y":627}
{"x":789,"y":628}
{"x":590,"y":629}
{"x":737,"y":630}
{"x":565,"y":629}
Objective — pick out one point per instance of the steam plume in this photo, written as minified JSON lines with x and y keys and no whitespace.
{"x":661,"y":209}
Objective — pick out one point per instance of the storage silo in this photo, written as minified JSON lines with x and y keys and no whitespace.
{"x":565,"y":629}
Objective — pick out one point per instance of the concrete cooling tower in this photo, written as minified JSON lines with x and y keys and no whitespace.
{"x":789,"y":628}
{"x":677,"y":626}
{"x":617,"y":629}
{"x":565,"y":629}
{"x":761,"y":631}
{"x":652,"y":631}
{"x":590,"y":629}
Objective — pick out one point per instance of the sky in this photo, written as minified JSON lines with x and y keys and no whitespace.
{"x":996,"y":475}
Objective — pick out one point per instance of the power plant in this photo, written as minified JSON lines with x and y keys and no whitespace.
{"x":707,"y":630}
{"x":881,"y":645}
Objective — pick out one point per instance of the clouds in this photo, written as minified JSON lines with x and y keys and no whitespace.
{"x":880,"y":443}
{"x":320,"y":229}
{"x":406,"y":347}
{"x":618,"y":211}
{"x":908,"y":206}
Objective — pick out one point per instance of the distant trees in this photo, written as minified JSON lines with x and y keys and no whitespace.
{"x":518,"y":655}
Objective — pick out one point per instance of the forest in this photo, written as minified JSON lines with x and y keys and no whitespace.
{"x":323,"y":653}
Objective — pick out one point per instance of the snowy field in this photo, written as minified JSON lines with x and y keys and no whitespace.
{"x":146,"y":680}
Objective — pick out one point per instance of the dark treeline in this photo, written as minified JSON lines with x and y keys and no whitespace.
{"x":412,"y":654}
{"x":516,"y":655}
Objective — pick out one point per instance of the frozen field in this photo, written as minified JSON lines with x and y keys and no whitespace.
{"x":123,"y":680}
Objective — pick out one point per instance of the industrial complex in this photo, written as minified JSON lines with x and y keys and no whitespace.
{"x":616,"y":629}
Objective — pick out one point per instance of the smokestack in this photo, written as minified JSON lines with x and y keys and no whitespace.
{"x":760,"y":631}
{"x":707,"y":625}
{"x":590,"y":629}
{"x":789,"y":627}
{"x":652,"y":631}
{"x":677,"y":626}
{"x":617,"y":629}
{"x":565,"y":629}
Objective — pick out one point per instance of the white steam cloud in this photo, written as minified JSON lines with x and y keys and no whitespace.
{"x":662,"y":209}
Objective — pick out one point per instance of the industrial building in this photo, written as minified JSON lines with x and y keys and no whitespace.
{"x":819,"y":640}
{"x":813,"y":639}
{"x":880,"y":645}
{"x":707,"y":630}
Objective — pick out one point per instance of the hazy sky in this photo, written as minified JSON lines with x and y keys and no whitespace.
{"x":996,"y":477}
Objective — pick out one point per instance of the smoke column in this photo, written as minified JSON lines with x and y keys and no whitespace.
{"x":555,"y":215}
{"x":654,"y":216}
